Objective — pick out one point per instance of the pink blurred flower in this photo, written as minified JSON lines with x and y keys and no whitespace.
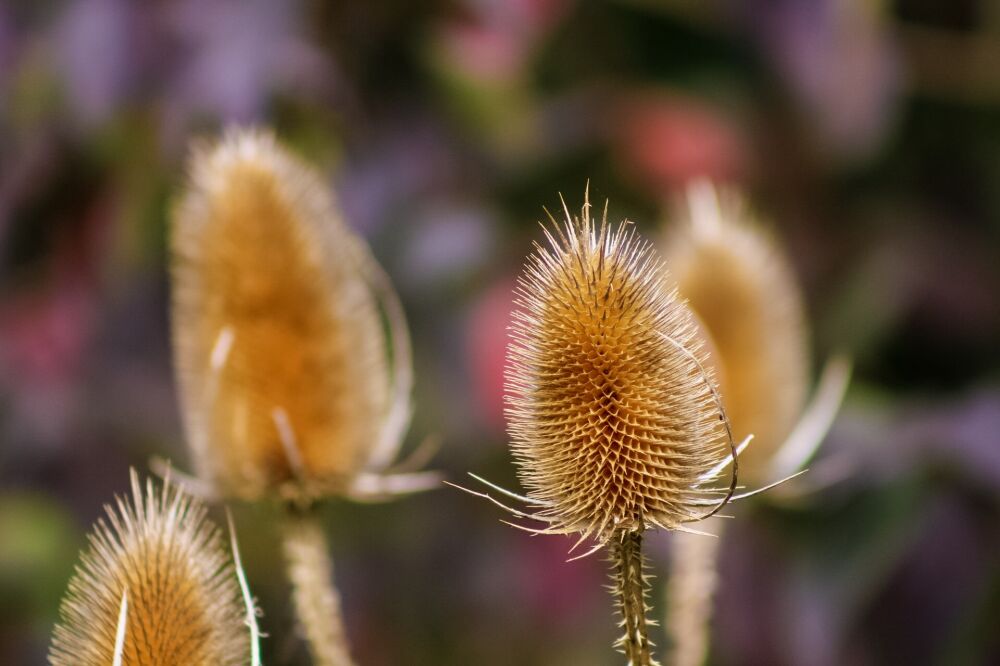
{"x":494,"y":39}
{"x":46,"y":331}
{"x":664,"y":141}
{"x":43,"y":334}
{"x":486,"y":346}
{"x":42,"y":340}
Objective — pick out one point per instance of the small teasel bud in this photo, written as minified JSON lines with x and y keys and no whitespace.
{"x":736,"y":278}
{"x":156,"y":586}
{"x":280,"y":347}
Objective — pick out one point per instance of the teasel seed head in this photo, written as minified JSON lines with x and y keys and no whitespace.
{"x":156,"y":586}
{"x":614,"y":421}
{"x":280,"y":347}
{"x":736,"y":278}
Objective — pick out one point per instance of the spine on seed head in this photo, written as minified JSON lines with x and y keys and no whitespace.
{"x":156,"y":586}
{"x":614,"y":419}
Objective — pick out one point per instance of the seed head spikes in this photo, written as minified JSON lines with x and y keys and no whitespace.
{"x":155,"y":587}
{"x":615,"y":420}
{"x":280,"y":348}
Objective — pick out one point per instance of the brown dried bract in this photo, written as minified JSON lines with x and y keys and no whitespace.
{"x":161,"y":554}
{"x":615,"y":424}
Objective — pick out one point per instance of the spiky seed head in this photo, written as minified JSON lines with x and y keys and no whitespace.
{"x":278,"y":340}
{"x":739,"y":283}
{"x":162,"y":554}
{"x":611,"y":418}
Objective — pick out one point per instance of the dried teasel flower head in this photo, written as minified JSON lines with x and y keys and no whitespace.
{"x":615,"y":423}
{"x":280,"y":347}
{"x":739,"y":283}
{"x":156,"y":586}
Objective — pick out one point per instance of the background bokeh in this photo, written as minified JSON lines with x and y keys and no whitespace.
{"x":866,"y":131}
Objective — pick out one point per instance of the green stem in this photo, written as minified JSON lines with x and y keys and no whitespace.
{"x":317,"y":604}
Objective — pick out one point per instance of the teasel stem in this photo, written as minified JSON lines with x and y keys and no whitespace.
{"x":629,"y":588}
{"x":693,"y":577}
{"x":316,"y":601}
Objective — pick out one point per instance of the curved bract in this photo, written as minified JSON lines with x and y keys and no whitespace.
{"x":279,"y":344}
{"x":155,"y":587}
{"x":613,"y":420}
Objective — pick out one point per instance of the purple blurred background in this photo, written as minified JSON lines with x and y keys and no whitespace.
{"x":868,"y":132}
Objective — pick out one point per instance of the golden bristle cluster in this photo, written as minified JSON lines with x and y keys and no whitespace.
{"x":279,"y":343}
{"x":744,"y":292}
{"x":613,"y":420}
{"x":181,"y":594}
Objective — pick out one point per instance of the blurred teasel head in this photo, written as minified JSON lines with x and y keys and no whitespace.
{"x":288,"y":384}
{"x":737,"y":280}
{"x":156,"y":586}
{"x":615,"y":422}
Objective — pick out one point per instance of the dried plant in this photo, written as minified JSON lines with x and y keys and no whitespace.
{"x":279,"y":344}
{"x":291,"y":350}
{"x":738,"y":282}
{"x":740,"y":285}
{"x":156,"y":587}
{"x":615,"y":421}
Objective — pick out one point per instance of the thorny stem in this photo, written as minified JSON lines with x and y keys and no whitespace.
{"x":629,"y":589}
{"x":317,"y":604}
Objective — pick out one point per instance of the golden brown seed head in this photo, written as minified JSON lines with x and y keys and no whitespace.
{"x":183,"y":598}
{"x":611,"y":418}
{"x":278,"y":340}
{"x":743,"y":290}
